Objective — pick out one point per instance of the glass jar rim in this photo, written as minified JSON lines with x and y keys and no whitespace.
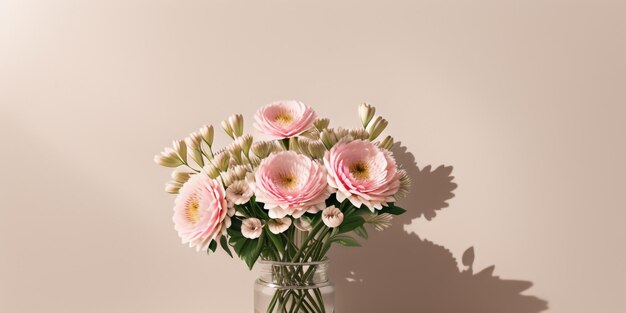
{"x":280,"y":263}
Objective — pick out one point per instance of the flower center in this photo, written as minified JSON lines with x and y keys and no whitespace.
{"x":288,"y":181}
{"x":283,"y":118}
{"x":360,"y":170}
{"x":193,"y":211}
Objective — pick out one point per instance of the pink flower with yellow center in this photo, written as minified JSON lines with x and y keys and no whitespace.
{"x":200,"y":211}
{"x":291,"y":184}
{"x":363,"y":173}
{"x":284,"y":119}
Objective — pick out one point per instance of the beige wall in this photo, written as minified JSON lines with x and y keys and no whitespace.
{"x":524,"y":99}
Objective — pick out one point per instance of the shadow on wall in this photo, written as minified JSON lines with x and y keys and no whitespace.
{"x":399,"y":272}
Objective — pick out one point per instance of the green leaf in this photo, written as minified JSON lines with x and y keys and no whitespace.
{"x":350,"y":223}
{"x":361,"y":232}
{"x":276,"y":241}
{"x":212,"y":246}
{"x":253,"y":251}
{"x":224,"y":244}
{"x":392,"y":209}
{"x":345,"y":240}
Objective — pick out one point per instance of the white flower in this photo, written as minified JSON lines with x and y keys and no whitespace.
{"x":239,"y":192}
{"x":332,"y":216}
{"x":279,"y":225}
{"x":251,"y":228}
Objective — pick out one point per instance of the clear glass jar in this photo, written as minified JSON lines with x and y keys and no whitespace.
{"x":293,"y":287}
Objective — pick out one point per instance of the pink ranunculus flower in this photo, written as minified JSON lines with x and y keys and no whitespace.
{"x":284,"y":119}
{"x":363,"y":173}
{"x":200,"y":212}
{"x":291,"y":184}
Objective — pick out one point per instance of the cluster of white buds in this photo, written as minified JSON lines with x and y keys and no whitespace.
{"x":366,"y":113}
{"x":168,"y":158}
{"x":235,"y":173}
{"x":211,"y":170}
{"x":359,"y":133}
{"x":386,"y":143}
{"x":374,"y":126}
{"x":312,"y":133}
{"x":245,"y":142}
{"x":173,"y":187}
{"x":178,"y":179}
{"x":254,"y":160}
{"x":194,"y":144}
{"x":233,"y":126}
{"x":332,"y":136}
{"x":321,"y":124}
{"x":207,"y":133}
{"x":181,"y":176}
{"x":221,"y":160}
{"x":314,"y":149}
{"x":236,"y":153}
{"x":262,"y":149}
{"x":181,"y":150}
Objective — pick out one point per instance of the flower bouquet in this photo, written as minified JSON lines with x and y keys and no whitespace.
{"x":283,"y":202}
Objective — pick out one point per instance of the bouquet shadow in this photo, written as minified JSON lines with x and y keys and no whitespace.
{"x":396,"y":271}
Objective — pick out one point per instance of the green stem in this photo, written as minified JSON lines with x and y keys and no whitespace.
{"x":311,"y":235}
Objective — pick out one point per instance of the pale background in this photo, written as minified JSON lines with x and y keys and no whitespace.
{"x":524,"y":99}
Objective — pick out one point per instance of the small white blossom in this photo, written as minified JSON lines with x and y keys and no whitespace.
{"x":251,"y":228}
{"x":239,"y":192}
{"x":332,"y":216}
{"x":279,"y":225}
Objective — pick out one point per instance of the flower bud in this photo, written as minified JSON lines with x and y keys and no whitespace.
{"x":366,"y":113}
{"x":316,"y":149}
{"x":234,"y":174}
{"x":168,"y":158}
{"x":328,"y":137}
{"x":167,"y":161}
{"x":228,"y":178}
{"x":321,"y":124}
{"x":376,"y":127}
{"x":173,"y":187}
{"x":235,"y":153}
{"x":207,"y":133}
{"x":341,"y":133}
{"x":212,"y":171}
{"x":387,"y":143}
{"x":180,"y":177}
{"x":311,"y":133}
{"x":245,"y":142}
{"x":332,"y":216}
{"x":261,"y":149}
{"x":194,"y":140}
{"x":181,"y":148}
{"x":359,"y":134}
{"x":228,"y":129}
{"x":299,"y":145}
{"x":236,"y":124}
{"x":221,"y":161}
{"x":194,"y":150}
